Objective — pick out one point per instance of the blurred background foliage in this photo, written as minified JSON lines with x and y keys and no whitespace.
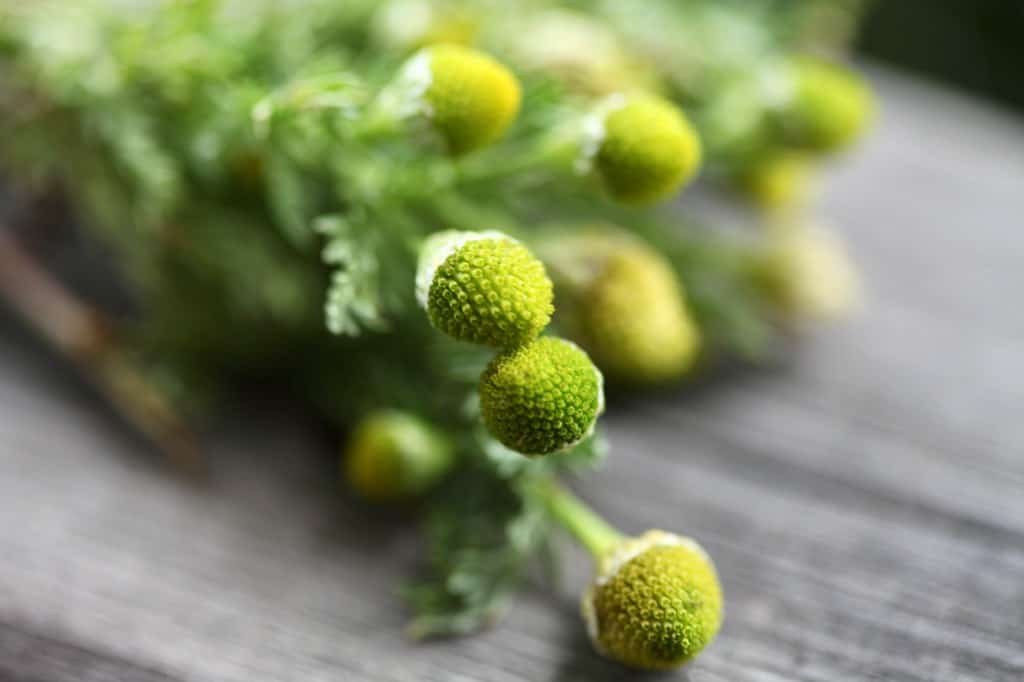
{"x":973,"y":44}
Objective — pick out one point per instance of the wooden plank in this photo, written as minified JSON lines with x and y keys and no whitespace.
{"x":865,"y":502}
{"x":31,"y":657}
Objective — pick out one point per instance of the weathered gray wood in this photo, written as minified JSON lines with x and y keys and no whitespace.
{"x":31,"y":657}
{"x":865,"y":504}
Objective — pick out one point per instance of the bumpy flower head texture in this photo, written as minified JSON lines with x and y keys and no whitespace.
{"x":655,"y":603}
{"x":470,"y":99}
{"x":829,"y":108}
{"x":634,"y":320}
{"x":541,"y":398}
{"x":643,"y":148}
{"x":393,"y":455}
{"x":484,"y":287}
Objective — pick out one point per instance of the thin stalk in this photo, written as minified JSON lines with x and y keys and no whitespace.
{"x":583,"y":522}
{"x":84,"y":336}
{"x":557,"y":151}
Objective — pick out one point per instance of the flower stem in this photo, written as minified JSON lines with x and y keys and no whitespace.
{"x":552,"y":152}
{"x":583,"y":522}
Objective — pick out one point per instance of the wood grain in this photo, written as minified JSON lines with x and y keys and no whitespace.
{"x":865,"y":502}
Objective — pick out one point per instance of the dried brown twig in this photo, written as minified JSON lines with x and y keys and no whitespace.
{"x":85,"y":336}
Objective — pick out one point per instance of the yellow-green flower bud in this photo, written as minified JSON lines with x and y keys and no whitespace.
{"x":806,"y":271}
{"x":469,"y":98}
{"x":393,"y":455}
{"x":655,"y":602}
{"x":830,"y":106}
{"x":642,"y":147}
{"x":636,"y":325}
{"x":541,"y":398}
{"x":483,"y":287}
{"x":779,"y":181}
{"x":623,"y":303}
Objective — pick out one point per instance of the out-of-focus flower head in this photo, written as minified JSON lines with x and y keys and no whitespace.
{"x":829,"y":105}
{"x":413,"y":24}
{"x":468,"y":97}
{"x":394,"y":455}
{"x":807,"y":272}
{"x":642,"y":147}
{"x":621,"y":300}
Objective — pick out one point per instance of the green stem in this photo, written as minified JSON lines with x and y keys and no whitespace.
{"x":552,"y":152}
{"x":377,"y":124}
{"x":583,"y":522}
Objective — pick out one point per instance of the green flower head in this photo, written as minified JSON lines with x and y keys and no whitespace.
{"x":778,"y":181}
{"x":393,"y":455}
{"x":484,"y":287}
{"x":623,"y":303}
{"x":469,"y":98}
{"x":807,"y":273}
{"x":655,"y":603}
{"x":829,"y":108}
{"x":643,"y":148}
{"x":541,"y":398}
{"x":634,"y":320}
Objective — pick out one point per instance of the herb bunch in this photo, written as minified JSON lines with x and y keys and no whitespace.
{"x":270,"y":176}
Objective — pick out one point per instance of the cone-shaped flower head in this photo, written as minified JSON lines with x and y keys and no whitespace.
{"x":469,"y":98}
{"x":829,"y":108}
{"x":655,"y":601}
{"x":483,"y":287}
{"x":541,"y":398}
{"x":807,"y":272}
{"x":643,"y":148}
{"x":394,"y":455}
{"x":623,"y":303}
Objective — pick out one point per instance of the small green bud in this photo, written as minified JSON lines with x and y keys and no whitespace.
{"x":643,"y":148}
{"x":469,"y":98}
{"x":484,"y":287}
{"x":778,"y":181}
{"x":807,"y":273}
{"x":393,"y":455}
{"x":655,"y":602}
{"x":541,"y":398}
{"x":623,"y":303}
{"x":829,"y":108}
{"x":636,"y":324}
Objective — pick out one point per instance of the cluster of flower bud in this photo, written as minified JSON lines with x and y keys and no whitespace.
{"x":538,"y":395}
{"x":642,"y":148}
